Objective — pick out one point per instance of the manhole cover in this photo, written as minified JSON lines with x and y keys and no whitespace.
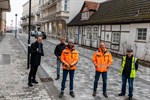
{"x":4,"y":59}
{"x":49,"y":79}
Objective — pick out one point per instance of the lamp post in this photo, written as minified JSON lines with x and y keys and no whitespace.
{"x":28,"y":56}
{"x":11,"y":26}
{"x":16,"y":27}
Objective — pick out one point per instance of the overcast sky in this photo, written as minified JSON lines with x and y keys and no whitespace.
{"x":16,"y":8}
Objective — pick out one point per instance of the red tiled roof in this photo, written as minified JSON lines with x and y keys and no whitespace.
{"x":92,"y":5}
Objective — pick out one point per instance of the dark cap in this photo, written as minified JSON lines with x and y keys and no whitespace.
{"x":129,"y":50}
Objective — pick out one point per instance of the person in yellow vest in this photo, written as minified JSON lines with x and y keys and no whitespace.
{"x":102,"y":60}
{"x":128,"y":72}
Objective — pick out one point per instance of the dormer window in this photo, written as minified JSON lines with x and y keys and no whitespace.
{"x":85,"y":15}
{"x":88,"y":9}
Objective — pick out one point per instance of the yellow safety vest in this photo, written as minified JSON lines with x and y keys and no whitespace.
{"x":133,"y":71}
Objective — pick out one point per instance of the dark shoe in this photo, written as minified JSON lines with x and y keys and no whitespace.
{"x":130,"y":98}
{"x":105,"y":95}
{"x":57,"y":78}
{"x":61,"y":94}
{"x":30,"y":84}
{"x":94,"y":94}
{"x":120,"y":94}
{"x":34,"y":81}
{"x":72,"y":94}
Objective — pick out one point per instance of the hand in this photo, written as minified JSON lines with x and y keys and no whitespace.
{"x":68,"y":67}
{"x":72,"y":65}
{"x":37,"y":49}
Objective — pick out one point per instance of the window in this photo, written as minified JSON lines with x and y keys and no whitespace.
{"x":141,"y":33}
{"x":115,"y":37}
{"x":94,"y":35}
{"x":65,"y":5}
{"x":95,"y":32}
{"x":89,"y":32}
{"x":39,"y":2}
{"x":89,"y":29}
{"x":88,"y":35}
{"x":95,"y":28}
{"x":85,"y":15}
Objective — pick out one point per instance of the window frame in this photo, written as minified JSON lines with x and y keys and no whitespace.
{"x":85,"y":15}
{"x":116,"y":39}
{"x":142,"y":34}
{"x":65,"y":5}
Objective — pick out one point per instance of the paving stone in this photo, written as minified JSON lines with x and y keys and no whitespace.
{"x":84,"y":75}
{"x":14,"y":75}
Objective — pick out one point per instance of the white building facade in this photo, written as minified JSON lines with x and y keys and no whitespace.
{"x":35,"y":16}
{"x":118,"y":35}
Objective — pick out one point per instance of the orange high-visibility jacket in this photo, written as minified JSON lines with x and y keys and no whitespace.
{"x":102,"y":61}
{"x":69,"y":57}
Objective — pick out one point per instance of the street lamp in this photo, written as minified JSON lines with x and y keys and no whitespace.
{"x":11,"y":26}
{"x":28,"y":56}
{"x":16,"y":27}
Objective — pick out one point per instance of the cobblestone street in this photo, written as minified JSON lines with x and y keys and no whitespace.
{"x":14,"y":75}
{"x":84,"y":76}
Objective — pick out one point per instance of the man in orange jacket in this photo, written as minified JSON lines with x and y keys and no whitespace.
{"x":69,"y":59}
{"x":102,"y":60}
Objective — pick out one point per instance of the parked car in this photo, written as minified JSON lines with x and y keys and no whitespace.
{"x":40,"y":33}
{"x":32,"y":33}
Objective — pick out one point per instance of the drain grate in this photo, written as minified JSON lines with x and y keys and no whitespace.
{"x":48,"y":79}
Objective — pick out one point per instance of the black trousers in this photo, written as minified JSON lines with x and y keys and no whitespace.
{"x":32,"y":73}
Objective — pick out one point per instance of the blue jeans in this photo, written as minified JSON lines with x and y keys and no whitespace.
{"x":104,"y":77}
{"x":71,"y":74}
{"x":58,"y":66}
{"x":130,"y":82}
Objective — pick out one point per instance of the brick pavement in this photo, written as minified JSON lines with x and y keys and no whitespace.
{"x":14,"y":75}
{"x":84,"y":76}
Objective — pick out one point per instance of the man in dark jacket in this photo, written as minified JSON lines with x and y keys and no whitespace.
{"x":58,"y":50}
{"x":128,"y":72}
{"x":36,"y":53}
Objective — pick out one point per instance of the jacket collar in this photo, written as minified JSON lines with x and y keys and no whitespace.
{"x":105,"y":50}
{"x":69,"y":48}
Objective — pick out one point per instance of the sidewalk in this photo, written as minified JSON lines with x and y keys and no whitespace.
{"x":14,"y":75}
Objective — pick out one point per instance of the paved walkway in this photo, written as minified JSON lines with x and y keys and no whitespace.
{"x":13,"y":73}
{"x":84,"y":75}
{"x":143,"y":71}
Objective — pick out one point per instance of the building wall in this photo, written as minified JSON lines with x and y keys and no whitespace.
{"x":2,"y":22}
{"x":127,"y":34}
{"x":65,"y":10}
{"x":34,"y":19}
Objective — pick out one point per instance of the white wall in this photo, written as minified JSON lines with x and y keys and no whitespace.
{"x":142,"y":47}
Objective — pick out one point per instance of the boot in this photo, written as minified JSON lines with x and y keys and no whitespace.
{"x":34,"y":81}
{"x":30,"y":84}
{"x":130,"y":98}
{"x":94,"y":94}
{"x":105,"y":95}
{"x":72,"y":94}
{"x":57,"y":78}
{"x":120,"y":94}
{"x":61,"y":94}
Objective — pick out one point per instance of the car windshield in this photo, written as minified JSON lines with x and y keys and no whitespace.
{"x":39,"y":33}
